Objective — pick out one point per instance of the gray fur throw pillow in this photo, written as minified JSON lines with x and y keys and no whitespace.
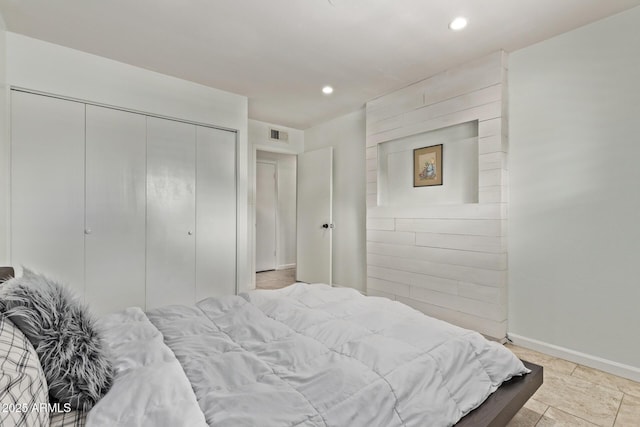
{"x":62,"y":332}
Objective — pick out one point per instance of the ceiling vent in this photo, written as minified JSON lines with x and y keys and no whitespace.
{"x":278,"y":135}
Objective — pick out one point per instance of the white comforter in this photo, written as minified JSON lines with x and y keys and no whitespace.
{"x":150,"y":387}
{"x":306,"y":355}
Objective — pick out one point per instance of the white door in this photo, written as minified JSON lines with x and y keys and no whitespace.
{"x":115,"y":209}
{"x":315,"y":228}
{"x":171,"y":212}
{"x":266,"y":207}
{"x":215,"y":213}
{"x":47,"y":186}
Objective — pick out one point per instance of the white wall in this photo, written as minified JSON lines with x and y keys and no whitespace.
{"x":4,"y":150}
{"x":574,"y":234}
{"x":286,"y":207}
{"x":259,"y":140}
{"x":459,"y":160}
{"x":55,"y":69}
{"x":346,"y":134}
{"x":446,"y":260}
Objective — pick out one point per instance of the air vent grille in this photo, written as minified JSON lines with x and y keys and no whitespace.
{"x":278,"y":135}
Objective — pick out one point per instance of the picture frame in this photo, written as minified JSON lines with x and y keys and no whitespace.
{"x":427,"y":166}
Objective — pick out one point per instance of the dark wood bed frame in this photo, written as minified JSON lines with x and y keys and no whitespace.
{"x":496,"y":411}
{"x":502,"y":405}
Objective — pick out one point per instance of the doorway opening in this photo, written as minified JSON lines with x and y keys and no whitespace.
{"x":275,"y":219}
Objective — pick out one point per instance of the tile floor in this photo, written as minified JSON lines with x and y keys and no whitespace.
{"x":575,"y":395}
{"x":275,"y":279}
{"x":572,"y":394}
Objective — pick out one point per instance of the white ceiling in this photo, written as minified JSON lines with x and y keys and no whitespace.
{"x":279,"y":53}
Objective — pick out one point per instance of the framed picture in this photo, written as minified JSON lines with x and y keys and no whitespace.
{"x":427,"y":166}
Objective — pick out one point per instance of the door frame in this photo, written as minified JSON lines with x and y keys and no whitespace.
{"x":277,"y":216}
{"x":253,"y":161}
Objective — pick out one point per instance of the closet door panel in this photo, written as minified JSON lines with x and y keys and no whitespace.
{"x":171,"y":178}
{"x":115,"y":209}
{"x":215,"y":213}
{"x":47,"y":186}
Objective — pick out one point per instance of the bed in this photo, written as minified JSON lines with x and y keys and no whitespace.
{"x":305,"y":355}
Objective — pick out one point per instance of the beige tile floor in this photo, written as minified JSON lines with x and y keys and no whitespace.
{"x":275,"y":279}
{"x":572,"y":394}
{"x":575,"y":395}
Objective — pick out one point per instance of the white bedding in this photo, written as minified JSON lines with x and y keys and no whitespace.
{"x":305,"y":355}
{"x":150,"y":388}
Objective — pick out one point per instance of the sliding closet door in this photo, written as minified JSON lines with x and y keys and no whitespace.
{"x":171,"y":157}
{"x":215,"y":213}
{"x":115,"y":209}
{"x":47,"y":186}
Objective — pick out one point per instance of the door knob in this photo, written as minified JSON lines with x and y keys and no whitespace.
{"x":325,"y":225}
{"x":190,"y":232}
{"x":87,"y":231}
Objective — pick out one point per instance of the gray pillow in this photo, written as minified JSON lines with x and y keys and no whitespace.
{"x":62,"y":331}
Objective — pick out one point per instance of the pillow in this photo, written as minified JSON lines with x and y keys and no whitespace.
{"x":68,"y":419}
{"x":23,"y":387}
{"x":62,"y":331}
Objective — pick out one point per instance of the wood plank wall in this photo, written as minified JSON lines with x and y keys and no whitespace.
{"x":448,"y":261}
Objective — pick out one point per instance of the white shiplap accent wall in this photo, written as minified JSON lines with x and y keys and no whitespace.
{"x":449,"y":261}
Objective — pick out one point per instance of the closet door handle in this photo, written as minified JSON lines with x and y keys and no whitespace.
{"x":87,"y":231}
{"x":190,"y":233}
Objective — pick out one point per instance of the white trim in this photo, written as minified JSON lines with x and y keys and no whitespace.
{"x":286,"y":266}
{"x":615,"y":368}
{"x":331,"y":223}
{"x":251,"y":214}
{"x":116,"y":107}
{"x":270,"y":149}
{"x":276,"y":177}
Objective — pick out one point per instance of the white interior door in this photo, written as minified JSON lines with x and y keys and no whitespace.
{"x":266,"y":208}
{"x":315,"y":227}
{"x":171,"y":212}
{"x":47,"y":186}
{"x":215,"y":213}
{"x":115,"y":209}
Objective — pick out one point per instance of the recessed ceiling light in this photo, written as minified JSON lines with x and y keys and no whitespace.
{"x":459,"y":23}
{"x":327,"y":90}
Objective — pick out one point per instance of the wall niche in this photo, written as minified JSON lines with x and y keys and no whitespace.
{"x":459,"y":168}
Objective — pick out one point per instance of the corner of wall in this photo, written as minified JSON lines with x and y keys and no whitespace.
{"x":346,"y":134}
{"x":243,"y":252}
{"x":4,"y":149}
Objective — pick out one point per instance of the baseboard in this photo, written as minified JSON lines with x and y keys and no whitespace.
{"x":615,"y":368}
{"x":286,"y":266}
